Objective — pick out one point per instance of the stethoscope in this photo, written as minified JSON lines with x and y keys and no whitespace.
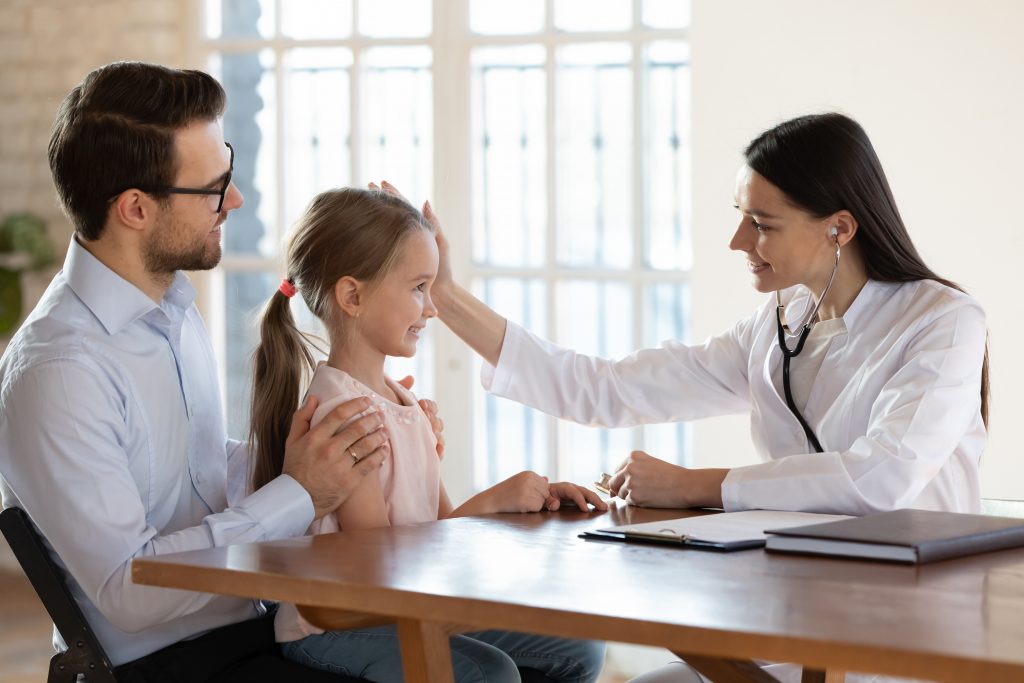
{"x":803,"y":330}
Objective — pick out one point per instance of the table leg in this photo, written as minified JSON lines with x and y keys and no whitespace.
{"x":426,"y":654}
{"x":818,"y":676}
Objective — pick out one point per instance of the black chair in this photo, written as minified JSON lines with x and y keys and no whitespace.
{"x":84,"y":655}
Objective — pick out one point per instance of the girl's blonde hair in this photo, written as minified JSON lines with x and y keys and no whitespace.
{"x":346,"y":232}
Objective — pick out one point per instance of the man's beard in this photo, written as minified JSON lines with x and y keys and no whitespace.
{"x":162,"y":256}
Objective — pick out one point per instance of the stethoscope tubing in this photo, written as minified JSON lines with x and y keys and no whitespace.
{"x":788,"y":354}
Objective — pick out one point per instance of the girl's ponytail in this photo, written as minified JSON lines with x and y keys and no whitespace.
{"x":281,"y":364}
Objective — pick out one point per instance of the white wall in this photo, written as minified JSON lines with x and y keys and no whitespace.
{"x":939,"y":87}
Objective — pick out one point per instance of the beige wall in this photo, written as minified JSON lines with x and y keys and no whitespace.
{"x":46,"y":47}
{"x":939,"y":86}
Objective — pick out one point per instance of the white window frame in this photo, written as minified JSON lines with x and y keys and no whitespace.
{"x":451,"y":43}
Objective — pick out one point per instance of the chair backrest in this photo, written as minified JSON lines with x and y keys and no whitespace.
{"x":84,"y":655}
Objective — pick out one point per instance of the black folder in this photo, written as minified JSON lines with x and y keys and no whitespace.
{"x":907,"y":535}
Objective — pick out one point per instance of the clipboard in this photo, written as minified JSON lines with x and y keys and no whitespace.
{"x":723,"y":532}
{"x":670,"y":539}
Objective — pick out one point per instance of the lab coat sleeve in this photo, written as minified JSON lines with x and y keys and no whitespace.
{"x":924,"y":411}
{"x":671,"y":383}
{"x":62,"y":432}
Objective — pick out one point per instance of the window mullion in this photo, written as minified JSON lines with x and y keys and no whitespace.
{"x":453,"y":360}
{"x":639,"y":207}
{"x":556,"y":428}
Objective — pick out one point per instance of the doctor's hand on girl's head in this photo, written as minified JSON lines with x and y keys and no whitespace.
{"x":444,"y":267}
{"x":328,"y":463}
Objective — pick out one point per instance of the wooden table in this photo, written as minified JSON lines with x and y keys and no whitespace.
{"x":959,"y":620}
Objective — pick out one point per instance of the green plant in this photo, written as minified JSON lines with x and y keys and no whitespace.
{"x":24,"y":246}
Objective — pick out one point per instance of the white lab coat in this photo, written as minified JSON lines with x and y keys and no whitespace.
{"x":896,"y":403}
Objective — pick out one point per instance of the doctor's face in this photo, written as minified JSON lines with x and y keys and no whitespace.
{"x":784,"y":244}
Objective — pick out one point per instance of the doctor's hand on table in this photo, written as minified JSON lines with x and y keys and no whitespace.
{"x":646,"y":481}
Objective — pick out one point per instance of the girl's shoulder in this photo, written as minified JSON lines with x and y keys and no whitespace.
{"x":331,"y":387}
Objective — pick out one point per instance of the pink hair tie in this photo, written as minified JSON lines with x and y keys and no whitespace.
{"x":287,"y":288}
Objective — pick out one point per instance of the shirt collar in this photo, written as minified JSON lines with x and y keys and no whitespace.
{"x":113,"y":300}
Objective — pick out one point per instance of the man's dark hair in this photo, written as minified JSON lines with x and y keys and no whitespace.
{"x":115,"y":130}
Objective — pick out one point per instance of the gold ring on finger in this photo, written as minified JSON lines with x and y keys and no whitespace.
{"x":355,"y":458}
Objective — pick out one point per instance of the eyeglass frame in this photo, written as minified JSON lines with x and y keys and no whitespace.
{"x":171,"y":189}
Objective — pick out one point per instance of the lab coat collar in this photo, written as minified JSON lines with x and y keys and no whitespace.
{"x":866,"y":301}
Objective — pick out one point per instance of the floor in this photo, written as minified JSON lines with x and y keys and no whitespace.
{"x":25,"y":628}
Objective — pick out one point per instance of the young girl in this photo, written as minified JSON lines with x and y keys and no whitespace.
{"x":364,"y":262}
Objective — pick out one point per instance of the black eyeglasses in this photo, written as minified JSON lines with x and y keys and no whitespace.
{"x":160,"y":189}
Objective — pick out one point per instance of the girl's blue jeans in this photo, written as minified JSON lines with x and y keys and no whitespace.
{"x":480,"y":657}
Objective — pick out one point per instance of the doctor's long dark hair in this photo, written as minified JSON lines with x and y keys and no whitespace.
{"x":825,"y":163}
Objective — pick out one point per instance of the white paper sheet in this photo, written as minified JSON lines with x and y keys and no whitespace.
{"x":726,"y":527}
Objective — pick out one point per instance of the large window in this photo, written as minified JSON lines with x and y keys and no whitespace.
{"x":552,"y":136}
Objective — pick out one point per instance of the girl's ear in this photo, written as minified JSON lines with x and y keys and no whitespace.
{"x":348,"y":295}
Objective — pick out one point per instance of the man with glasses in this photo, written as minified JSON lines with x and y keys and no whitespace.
{"x":111,"y":430}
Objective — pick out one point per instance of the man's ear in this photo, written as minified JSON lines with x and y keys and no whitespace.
{"x":348,"y":295}
{"x":133,"y":209}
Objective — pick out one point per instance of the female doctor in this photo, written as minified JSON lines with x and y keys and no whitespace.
{"x":864,"y":373}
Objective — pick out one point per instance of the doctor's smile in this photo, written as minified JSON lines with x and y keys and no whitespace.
{"x":756,"y":267}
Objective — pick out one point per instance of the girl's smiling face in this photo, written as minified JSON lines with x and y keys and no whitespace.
{"x":784,"y":244}
{"x":397,"y":308}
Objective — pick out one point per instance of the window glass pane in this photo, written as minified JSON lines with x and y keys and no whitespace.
{"x":666,"y":13}
{"x":397,"y":121}
{"x":245,"y":294}
{"x":502,"y":16}
{"x":509,"y":437}
{"x":668,"y":152}
{"x":594,"y":318}
{"x":593,"y":15}
{"x":594,"y":158}
{"x":316,"y":18}
{"x":665,"y":315}
{"x":239,"y":18}
{"x":316,"y":125}
{"x":249,"y":121}
{"x":509,"y":161}
{"x":420,"y":366}
{"x":394,"y":18}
